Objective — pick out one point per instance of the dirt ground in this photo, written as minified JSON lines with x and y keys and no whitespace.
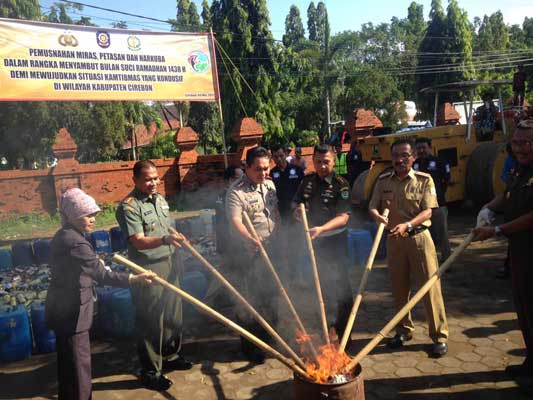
{"x":484,"y":339}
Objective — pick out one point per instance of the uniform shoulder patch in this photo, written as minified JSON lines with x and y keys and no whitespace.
{"x":341,"y":181}
{"x":385,"y":175}
{"x":424,"y":174}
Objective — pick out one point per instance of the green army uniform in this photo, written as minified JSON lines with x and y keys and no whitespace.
{"x":325,"y":199}
{"x":159,"y":312}
{"x":414,"y":254}
{"x":255,"y":281}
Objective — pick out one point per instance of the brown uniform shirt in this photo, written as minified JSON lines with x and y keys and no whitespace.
{"x":405,"y":198}
{"x":260,"y":202}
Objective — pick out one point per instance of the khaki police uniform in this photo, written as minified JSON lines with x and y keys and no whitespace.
{"x":518,"y":201}
{"x":325,"y":199}
{"x":159,"y":312}
{"x":414,"y":254}
{"x":255,"y":280}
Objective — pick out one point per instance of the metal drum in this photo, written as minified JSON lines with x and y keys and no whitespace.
{"x":351,"y":390}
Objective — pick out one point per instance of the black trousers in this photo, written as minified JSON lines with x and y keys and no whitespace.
{"x":332,"y":262}
{"x":522,"y":281}
{"x":74,"y":366}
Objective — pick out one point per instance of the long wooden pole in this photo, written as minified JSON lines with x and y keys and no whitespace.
{"x":315,"y":274}
{"x":219,"y":317}
{"x":270,"y":266}
{"x":362,"y":284}
{"x":405,"y":309}
{"x":242,"y":300}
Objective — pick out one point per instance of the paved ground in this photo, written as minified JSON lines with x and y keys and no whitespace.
{"x":484,"y":338}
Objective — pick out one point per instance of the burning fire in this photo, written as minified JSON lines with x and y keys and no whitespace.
{"x":326,"y":368}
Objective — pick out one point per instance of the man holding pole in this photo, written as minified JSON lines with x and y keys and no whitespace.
{"x":144,"y":218}
{"x":410,"y":196}
{"x":255,"y":195}
{"x":516,"y":203}
{"x":326,"y":198}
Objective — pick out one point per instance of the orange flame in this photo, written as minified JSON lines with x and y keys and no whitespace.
{"x":328,"y":363}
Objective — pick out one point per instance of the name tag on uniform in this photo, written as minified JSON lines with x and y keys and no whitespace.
{"x":148,"y":212}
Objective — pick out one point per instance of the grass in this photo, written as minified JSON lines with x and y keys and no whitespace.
{"x":30,"y":226}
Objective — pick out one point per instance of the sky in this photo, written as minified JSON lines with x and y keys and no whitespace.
{"x":343,"y":14}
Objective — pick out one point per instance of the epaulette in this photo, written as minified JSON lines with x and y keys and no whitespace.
{"x":385,"y":175}
{"x":424,"y":174}
{"x":341,"y":180}
{"x":128,"y":200}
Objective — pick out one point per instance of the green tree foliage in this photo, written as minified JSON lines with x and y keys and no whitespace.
{"x":294,"y":28}
{"x":207,"y":19}
{"x":162,"y":146}
{"x":20,"y":9}
{"x":322,"y":25}
{"x":312,"y":22}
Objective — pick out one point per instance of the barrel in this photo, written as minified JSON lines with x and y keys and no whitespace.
{"x":101,"y":242}
{"x":359,"y":244}
{"x":354,"y":389}
{"x":42,"y":249}
{"x":123,"y":314}
{"x":118,"y":239}
{"x":372,"y":227}
{"x":103,"y":323}
{"x":194,"y":283}
{"x":45,"y":339}
{"x":15,"y":336}
{"x":22,"y":253}
{"x":6,"y":262}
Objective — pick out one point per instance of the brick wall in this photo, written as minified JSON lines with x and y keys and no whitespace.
{"x":37,"y":191}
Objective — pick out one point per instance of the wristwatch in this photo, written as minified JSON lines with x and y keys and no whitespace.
{"x":409,"y":227}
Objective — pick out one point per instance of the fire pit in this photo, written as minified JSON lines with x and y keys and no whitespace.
{"x":351,"y":390}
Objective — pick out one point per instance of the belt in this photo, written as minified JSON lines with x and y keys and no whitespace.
{"x":417,"y":230}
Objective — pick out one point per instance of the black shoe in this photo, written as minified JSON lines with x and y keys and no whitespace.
{"x":178,"y":364}
{"x":440,"y":349}
{"x":151,"y":380}
{"x":503,"y":273}
{"x":398,"y":340}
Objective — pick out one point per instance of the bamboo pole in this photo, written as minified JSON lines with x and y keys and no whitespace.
{"x":242,"y":300}
{"x":405,"y":309}
{"x":219,"y":317}
{"x":362,"y":284}
{"x":270,"y":266}
{"x":315,"y":274}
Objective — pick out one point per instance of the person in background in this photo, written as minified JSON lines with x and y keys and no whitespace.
{"x":354,"y":162}
{"x":144,"y":218}
{"x":286,"y":178}
{"x":341,"y":168}
{"x":75,"y":268}
{"x":440,"y":172}
{"x":486,"y":119}
{"x":519,"y":86}
{"x":287,"y":149}
{"x":298,"y":160}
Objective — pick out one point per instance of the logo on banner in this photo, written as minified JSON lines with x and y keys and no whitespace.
{"x":67,"y":39}
{"x":134,"y":43}
{"x":199,"y":61}
{"x":103,"y":39}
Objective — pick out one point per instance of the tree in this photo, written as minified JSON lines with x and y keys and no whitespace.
{"x":20,"y":9}
{"x":207,"y":19}
{"x":322,"y":24}
{"x":312,"y":22}
{"x":459,"y":43}
{"x":120,"y":25}
{"x":294,"y":28}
